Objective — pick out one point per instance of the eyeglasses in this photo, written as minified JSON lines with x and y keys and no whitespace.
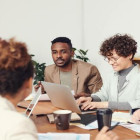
{"x":111,"y":59}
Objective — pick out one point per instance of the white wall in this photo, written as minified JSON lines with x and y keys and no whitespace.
{"x":86,"y":22}
{"x":104,"y":18}
{"x":37,"y":22}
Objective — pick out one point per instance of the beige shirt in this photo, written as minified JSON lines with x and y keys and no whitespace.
{"x":65,"y":78}
{"x":85,"y":76}
{"x":13,"y":125}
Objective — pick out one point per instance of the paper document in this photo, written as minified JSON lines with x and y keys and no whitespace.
{"x":121,"y":117}
{"x":63,"y":136}
{"x":43,"y":97}
{"x":93,"y":125}
{"x":72,"y":91}
{"x":134,"y":127}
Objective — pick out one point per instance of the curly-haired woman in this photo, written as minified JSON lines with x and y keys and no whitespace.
{"x":16,"y":74}
{"x":122,"y":88}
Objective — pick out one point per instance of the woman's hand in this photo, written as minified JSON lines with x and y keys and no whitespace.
{"x":92,"y":105}
{"x":83,"y":99}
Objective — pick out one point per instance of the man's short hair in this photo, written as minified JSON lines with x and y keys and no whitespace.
{"x":124,"y":45}
{"x":63,"y":40}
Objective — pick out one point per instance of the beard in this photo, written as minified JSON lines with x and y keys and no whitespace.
{"x":64,"y":62}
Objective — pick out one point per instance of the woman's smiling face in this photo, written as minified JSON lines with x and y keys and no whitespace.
{"x":119,"y":62}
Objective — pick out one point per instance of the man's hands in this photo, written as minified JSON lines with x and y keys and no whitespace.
{"x":104,"y":134}
{"x":136,"y":116}
{"x":39,"y":85}
{"x":87,"y":104}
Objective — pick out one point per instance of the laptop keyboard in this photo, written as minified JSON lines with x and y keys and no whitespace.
{"x":85,"y":119}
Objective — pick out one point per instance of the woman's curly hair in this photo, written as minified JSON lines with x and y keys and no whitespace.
{"x":124,"y":45}
{"x":15,"y":66}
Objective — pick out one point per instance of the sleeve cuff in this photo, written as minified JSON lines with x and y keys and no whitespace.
{"x":119,"y":106}
{"x":96,"y":98}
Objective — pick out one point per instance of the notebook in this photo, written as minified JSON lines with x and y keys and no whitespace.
{"x":62,"y":97}
{"x":33,"y":103}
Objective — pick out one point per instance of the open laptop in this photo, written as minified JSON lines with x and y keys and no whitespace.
{"x":62,"y":97}
{"x":33,"y":103}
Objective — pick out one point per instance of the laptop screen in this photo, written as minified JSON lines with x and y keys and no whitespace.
{"x":62,"y":97}
{"x":33,"y":103}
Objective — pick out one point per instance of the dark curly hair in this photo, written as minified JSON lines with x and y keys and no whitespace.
{"x":63,"y":40}
{"x":124,"y":45}
{"x":15,"y":66}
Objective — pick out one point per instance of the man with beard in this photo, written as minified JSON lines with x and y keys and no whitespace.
{"x":83,"y":78}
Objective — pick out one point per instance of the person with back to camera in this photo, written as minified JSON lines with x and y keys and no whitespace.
{"x":16,"y":74}
{"x":122,"y":89}
{"x":82,"y":77}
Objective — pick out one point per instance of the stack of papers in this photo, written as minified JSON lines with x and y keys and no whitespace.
{"x":43,"y":97}
{"x":125,"y":121}
{"x":121,"y":117}
{"x":63,"y":136}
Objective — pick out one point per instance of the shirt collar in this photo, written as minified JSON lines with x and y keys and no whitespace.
{"x":125,"y":71}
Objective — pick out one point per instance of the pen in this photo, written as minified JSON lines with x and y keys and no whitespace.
{"x":130,"y":122}
{"x":138,"y":134}
{"x":114,"y":126}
